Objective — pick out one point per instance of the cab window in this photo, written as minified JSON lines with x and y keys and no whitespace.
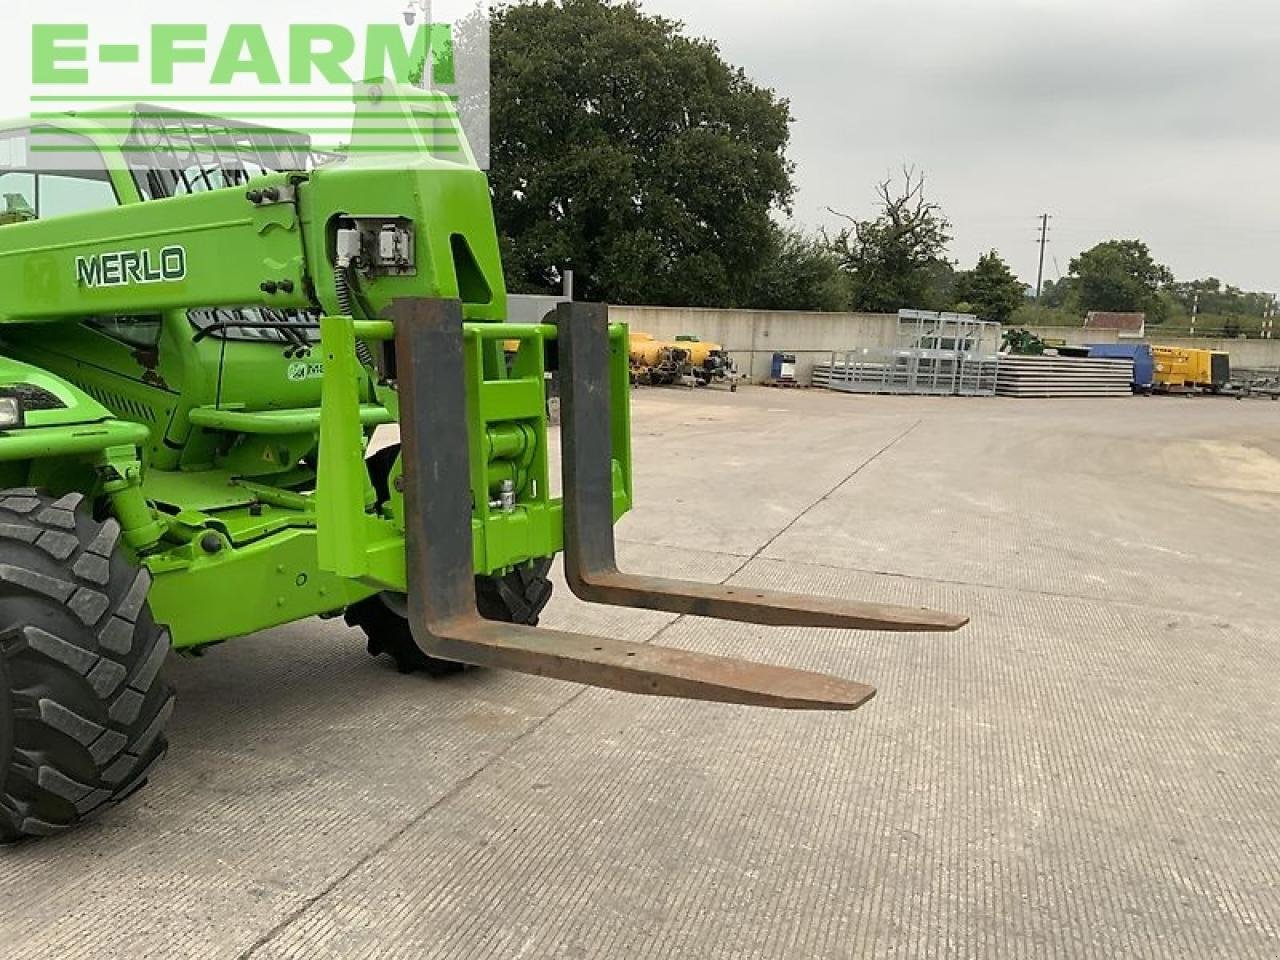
{"x":142,"y":332}
{"x":17,"y":196}
{"x":46,"y":173}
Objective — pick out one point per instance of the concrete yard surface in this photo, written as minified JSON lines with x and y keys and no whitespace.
{"x":1091,"y":769}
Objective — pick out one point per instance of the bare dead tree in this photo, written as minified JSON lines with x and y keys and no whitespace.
{"x":906,"y":215}
{"x":885,"y":255}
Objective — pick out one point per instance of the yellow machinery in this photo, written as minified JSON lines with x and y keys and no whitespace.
{"x":1181,"y":369}
{"x":685,"y":360}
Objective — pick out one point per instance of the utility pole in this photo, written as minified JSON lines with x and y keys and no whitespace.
{"x":1044,"y":240}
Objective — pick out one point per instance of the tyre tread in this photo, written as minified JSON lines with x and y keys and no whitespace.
{"x":89,"y":729}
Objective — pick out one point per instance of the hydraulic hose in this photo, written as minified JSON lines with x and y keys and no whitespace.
{"x":346,"y":304}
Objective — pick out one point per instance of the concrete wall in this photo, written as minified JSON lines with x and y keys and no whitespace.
{"x":753,"y":336}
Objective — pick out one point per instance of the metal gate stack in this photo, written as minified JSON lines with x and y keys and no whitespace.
{"x":937,"y":354}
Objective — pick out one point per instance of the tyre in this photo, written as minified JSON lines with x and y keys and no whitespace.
{"x":83,"y":707}
{"x":518,"y":597}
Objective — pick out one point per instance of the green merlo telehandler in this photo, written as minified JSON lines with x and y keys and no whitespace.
{"x":202,"y":324}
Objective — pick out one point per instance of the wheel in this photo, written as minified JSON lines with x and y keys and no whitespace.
{"x":83,"y":707}
{"x":518,"y":597}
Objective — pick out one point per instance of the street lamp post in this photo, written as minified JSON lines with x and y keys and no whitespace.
{"x":416,"y":9}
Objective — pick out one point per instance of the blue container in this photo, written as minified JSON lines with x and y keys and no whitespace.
{"x":783,"y":368}
{"x":1144,"y":364}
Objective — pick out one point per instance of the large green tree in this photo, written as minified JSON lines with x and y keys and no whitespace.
{"x":631,"y":153}
{"x":799,"y":272}
{"x":1058,"y":294}
{"x":1120,"y":275}
{"x":991,"y":289}
{"x":897,"y":259}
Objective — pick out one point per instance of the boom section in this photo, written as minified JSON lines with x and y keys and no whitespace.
{"x":210,"y":249}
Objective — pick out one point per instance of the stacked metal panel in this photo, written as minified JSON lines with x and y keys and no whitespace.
{"x":938,"y":354}
{"x":886,"y":370}
{"x":1064,"y":377}
{"x":978,"y":375}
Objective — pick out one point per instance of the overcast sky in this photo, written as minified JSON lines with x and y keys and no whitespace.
{"x":1157,"y":119}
